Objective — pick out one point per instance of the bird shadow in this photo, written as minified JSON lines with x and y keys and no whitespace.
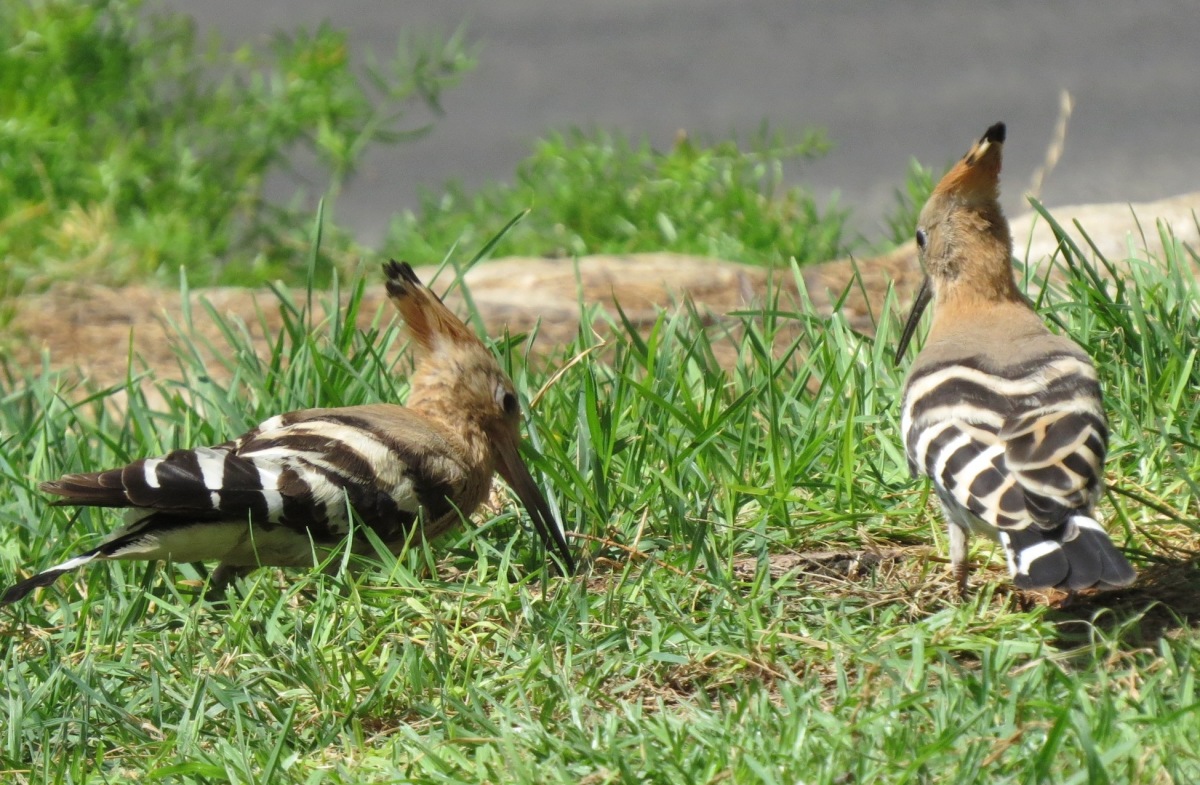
{"x":1165,"y":598}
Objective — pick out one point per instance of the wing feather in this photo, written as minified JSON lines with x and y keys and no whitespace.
{"x":297,"y":471}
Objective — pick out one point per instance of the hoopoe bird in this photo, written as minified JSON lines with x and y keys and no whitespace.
{"x":278,"y":494}
{"x":1004,"y":416}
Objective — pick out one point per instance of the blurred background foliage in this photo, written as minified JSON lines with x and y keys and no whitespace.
{"x":131,"y":149}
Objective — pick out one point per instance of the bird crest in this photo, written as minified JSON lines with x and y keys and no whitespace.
{"x":430,"y":323}
{"x":976,"y":177}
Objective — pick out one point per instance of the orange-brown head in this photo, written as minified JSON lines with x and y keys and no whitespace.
{"x":963,"y":237}
{"x":458,"y":383}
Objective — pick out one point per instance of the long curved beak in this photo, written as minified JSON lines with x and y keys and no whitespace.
{"x":914,"y":318}
{"x":516,"y":474}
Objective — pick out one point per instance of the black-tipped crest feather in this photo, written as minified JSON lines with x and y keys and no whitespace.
{"x":400,"y":276}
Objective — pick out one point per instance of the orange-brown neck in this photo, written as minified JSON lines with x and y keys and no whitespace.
{"x":965,"y":295}
{"x":971,"y":261}
{"x":437,"y":393}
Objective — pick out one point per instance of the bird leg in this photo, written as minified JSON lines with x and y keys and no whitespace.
{"x":958,"y":557}
{"x":222,"y":578}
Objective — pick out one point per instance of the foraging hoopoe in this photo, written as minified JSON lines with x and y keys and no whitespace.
{"x":1004,"y":416}
{"x":278,"y":495}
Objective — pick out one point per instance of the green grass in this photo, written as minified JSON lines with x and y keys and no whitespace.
{"x":691,"y":651}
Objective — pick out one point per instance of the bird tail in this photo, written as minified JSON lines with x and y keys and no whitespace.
{"x":130,"y":535}
{"x":96,"y":489}
{"x":46,"y":577}
{"x":1077,"y":555}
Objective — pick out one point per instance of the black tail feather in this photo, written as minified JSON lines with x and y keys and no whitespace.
{"x":18,"y":591}
{"x":1100,"y":564}
{"x":1077,"y":555}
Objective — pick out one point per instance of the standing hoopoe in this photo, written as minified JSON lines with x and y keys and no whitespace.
{"x":1004,"y":416}
{"x":277,"y":495}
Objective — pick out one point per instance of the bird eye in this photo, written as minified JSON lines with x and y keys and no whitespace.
{"x":922,"y":239}
{"x":507,"y":401}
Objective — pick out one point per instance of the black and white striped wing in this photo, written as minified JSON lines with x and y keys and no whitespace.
{"x":1021,"y":452}
{"x":1056,"y":454}
{"x":319,"y":463}
{"x":965,"y":459}
{"x":1018,"y":448}
{"x":297,"y":471}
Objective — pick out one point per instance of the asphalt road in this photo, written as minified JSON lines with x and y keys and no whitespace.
{"x":888,"y":80}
